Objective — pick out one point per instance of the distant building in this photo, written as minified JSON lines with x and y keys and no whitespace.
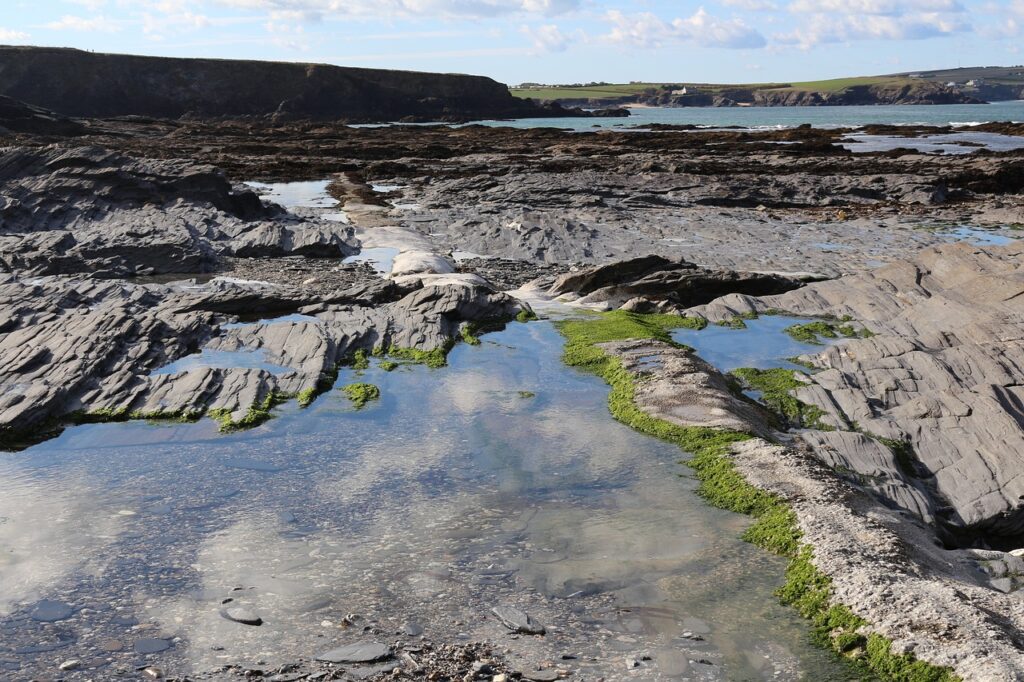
{"x":915,"y":75}
{"x":975,"y":83}
{"x":680,"y":91}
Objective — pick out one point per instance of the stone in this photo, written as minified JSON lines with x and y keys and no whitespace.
{"x":242,"y":614}
{"x":73,"y":664}
{"x":412,"y":629}
{"x":50,"y":611}
{"x":360,"y":652}
{"x":518,"y":621}
{"x":654,"y":283}
{"x":549,"y":675}
{"x":151,"y":645}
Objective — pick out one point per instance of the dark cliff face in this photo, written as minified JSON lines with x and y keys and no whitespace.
{"x":85,"y":84}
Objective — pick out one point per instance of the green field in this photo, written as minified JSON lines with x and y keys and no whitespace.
{"x":625,"y":90}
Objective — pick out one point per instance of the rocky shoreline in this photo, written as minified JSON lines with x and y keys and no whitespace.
{"x":120,"y":258}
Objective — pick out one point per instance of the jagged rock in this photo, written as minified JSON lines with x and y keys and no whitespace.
{"x":518,"y":621}
{"x":19,"y":117}
{"x":91,"y":346}
{"x":88,"y":209}
{"x":943,"y":374}
{"x":663,"y":282}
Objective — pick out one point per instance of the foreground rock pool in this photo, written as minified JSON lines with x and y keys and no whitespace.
{"x":499,"y":480}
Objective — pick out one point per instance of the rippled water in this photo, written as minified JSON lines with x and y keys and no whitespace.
{"x":786,"y":117}
{"x":501,"y":478}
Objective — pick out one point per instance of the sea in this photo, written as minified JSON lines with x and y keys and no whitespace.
{"x":767,"y":118}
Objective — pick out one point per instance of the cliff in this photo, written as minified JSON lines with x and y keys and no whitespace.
{"x":85,"y":84}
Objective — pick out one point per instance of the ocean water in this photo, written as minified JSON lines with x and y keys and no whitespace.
{"x":787,"y":117}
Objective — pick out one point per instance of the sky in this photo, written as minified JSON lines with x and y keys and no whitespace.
{"x":548,"y":41}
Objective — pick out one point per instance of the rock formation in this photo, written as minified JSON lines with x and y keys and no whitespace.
{"x":79,"y":83}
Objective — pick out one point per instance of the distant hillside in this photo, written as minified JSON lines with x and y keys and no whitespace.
{"x":992,"y":83}
{"x":894,"y":89}
{"x":86,"y":84}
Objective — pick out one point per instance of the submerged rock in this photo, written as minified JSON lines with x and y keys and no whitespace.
{"x":362,"y":652}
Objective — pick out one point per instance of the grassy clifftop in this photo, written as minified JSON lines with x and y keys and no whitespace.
{"x":895,"y":89}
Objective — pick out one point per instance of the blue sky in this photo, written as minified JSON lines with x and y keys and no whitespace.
{"x":549,"y":41}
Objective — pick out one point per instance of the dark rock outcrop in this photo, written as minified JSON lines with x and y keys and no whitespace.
{"x":88,"y":209}
{"x":19,"y":117}
{"x":652,"y":283}
{"x":78,"y":83}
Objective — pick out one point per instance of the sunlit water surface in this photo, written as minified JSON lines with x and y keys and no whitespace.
{"x":500,"y":479}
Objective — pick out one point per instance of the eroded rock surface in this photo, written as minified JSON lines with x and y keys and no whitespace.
{"x":89,"y":347}
{"x":91,"y":210}
{"x":657,"y":284}
{"x":942,"y":374}
{"x":885,"y":565}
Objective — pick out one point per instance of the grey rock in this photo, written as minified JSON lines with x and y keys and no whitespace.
{"x":73,"y":664}
{"x":549,"y":675}
{"x":243,"y":615}
{"x":50,"y":611}
{"x":412,"y":629}
{"x":361,"y":652}
{"x":518,"y":621}
{"x":151,"y":645}
{"x":661,"y":282}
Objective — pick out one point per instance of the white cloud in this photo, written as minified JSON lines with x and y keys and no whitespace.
{"x":411,"y":8}
{"x":649,"y":30}
{"x":72,"y":23}
{"x":9,"y":36}
{"x":548,"y":38}
{"x":886,"y":7}
{"x":752,"y":5}
{"x":823,"y":29}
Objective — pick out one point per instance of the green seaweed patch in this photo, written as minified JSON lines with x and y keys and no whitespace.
{"x":359,"y":360}
{"x":776,"y":386}
{"x":360,"y":394}
{"x":434,"y":359}
{"x":774,"y":529}
{"x":526,"y":315}
{"x":306,"y":396}
{"x":738,"y":321}
{"x":469,"y":333}
{"x":388,"y":365}
{"x":122,"y":414}
{"x":813,"y":332}
{"x":256,"y":414}
{"x":583,"y":335}
{"x":526,"y":394}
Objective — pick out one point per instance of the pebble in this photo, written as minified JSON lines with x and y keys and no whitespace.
{"x":73,"y":664}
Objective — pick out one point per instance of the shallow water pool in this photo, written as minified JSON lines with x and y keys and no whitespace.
{"x":500,"y":479}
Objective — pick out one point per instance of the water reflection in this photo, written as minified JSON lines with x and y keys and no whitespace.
{"x":499,"y":479}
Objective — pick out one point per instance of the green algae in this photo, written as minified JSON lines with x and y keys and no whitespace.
{"x":361,"y":394}
{"x":775,"y":529}
{"x":776,"y":386}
